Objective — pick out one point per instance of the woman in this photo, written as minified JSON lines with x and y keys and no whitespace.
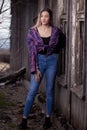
{"x":44,"y":42}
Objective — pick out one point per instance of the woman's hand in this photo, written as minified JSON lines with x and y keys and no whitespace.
{"x":37,"y":75}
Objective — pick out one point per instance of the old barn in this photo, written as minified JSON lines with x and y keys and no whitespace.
{"x":71,"y":82}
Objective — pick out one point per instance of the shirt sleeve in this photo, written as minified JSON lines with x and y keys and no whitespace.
{"x":61,"y":41}
{"x":32,"y":52}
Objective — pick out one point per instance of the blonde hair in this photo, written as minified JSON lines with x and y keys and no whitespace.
{"x":38,"y":22}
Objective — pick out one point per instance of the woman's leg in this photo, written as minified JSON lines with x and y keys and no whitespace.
{"x":31,"y":95}
{"x":29,"y":101}
{"x":34,"y":87}
{"x":51,"y":70}
{"x":50,"y":73}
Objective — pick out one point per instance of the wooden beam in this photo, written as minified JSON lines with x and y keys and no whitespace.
{"x":13,"y":77}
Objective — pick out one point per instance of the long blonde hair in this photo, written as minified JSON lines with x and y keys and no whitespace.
{"x":38,"y":22}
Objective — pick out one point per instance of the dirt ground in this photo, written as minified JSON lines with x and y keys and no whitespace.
{"x":12,"y":99}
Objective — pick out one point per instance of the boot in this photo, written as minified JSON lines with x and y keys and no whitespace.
{"x":47,"y":124}
{"x":23,"y":124}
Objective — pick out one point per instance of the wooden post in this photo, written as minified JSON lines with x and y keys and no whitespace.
{"x":85,"y":67}
{"x":69,"y":34}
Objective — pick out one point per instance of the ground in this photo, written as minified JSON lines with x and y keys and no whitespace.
{"x":12,"y":99}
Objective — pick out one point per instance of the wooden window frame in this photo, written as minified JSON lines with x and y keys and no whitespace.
{"x":62,"y":77}
{"x":78,"y":90}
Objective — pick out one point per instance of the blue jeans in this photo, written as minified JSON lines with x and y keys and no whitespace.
{"x":47,"y":65}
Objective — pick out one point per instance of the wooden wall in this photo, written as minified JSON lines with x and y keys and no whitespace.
{"x":70,"y":88}
{"x":23,"y":13}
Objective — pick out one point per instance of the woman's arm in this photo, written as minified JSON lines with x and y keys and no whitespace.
{"x":32,"y":52}
{"x":62,"y":39}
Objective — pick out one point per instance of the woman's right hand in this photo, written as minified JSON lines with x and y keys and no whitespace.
{"x":37,"y":75}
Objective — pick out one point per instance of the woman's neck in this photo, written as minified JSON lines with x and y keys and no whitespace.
{"x":45,"y":26}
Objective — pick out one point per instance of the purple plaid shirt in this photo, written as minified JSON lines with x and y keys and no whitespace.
{"x":36,"y":44}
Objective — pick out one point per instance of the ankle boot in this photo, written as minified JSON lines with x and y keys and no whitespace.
{"x":47,"y":124}
{"x":23,"y":124}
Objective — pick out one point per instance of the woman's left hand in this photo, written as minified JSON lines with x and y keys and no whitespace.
{"x":37,"y":75}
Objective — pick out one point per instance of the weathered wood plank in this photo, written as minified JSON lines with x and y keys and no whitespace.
{"x":13,"y":77}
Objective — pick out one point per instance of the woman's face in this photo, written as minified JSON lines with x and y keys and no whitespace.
{"x":45,"y":18}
